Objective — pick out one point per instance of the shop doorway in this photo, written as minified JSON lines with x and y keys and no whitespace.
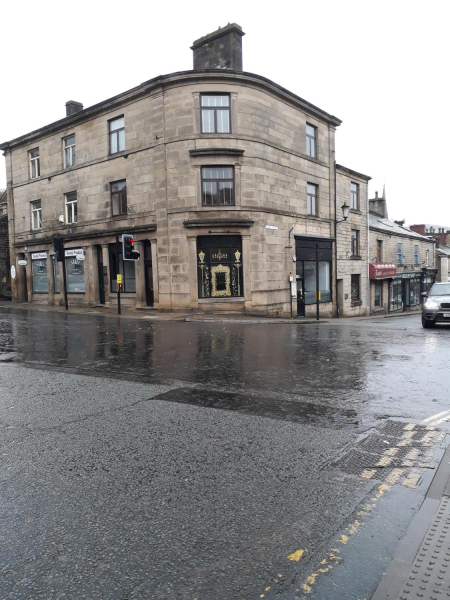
{"x":148,"y":273}
{"x":101,"y":276}
{"x":406,"y":293}
{"x":301,"y":298}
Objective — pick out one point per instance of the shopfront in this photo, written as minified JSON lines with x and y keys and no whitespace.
{"x":39,"y":273}
{"x":313,"y":272}
{"x":219,"y":266}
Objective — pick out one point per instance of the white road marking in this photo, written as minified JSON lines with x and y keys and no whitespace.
{"x":436,"y":416}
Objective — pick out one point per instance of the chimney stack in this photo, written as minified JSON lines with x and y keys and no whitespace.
{"x":73,"y":107}
{"x":221,"y":49}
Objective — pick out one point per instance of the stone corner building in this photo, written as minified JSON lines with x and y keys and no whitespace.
{"x":5,"y":285}
{"x":223,"y":177}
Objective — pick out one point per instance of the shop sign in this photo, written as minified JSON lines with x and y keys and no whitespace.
{"x":38,"y":255}
{"x":382,"y":271}
{"x":22,"y":263}
{"x":75,"y":252}
{"x":13,"y":272}
{"x":408,"y":275}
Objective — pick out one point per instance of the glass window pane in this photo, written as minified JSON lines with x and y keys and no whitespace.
{"x":75,"y":274}
{"x":113,"y":142}
{"x":39,"y":275}
{"x":74,"y":212}
{"x":116,"y":124}
{"x":123,"y":199}
{"x":115,"y":204}
{"x":228,"y":173}
{"x":223,"y":121}
{"x":209,"y":193}
{"x":121,"y":140}
{"x":117,"y":186}
{"x":226,"y":192}
{"x":129,"y":276}
{"x":73,"y":156}
{"x":34,"y":153}
{"x":33,"y":168}
{"x":207,"y":121}
{"x":324,"y":281}
{"x":311,"y":189}
{"x":310,"y":282}
{"x":310,"y":130}
{"x":69,"y":141}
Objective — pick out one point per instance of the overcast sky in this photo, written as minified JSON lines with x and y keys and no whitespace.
{"x":382,"y":67}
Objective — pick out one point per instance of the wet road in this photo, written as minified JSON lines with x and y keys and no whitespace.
{"x":150,"y":459}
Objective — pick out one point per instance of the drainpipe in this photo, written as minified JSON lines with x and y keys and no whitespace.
{"x":368,"y":303}
{"x":335,"y":244}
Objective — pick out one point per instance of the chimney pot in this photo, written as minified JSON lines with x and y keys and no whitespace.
{"x":376,"y":194}
{"x":73,"y":107}
{"x":221,"y":49}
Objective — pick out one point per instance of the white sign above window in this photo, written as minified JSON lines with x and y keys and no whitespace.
{"x":75,"y":252}
{"x":38,"y":255}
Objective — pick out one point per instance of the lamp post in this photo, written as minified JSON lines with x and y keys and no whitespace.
{"x":345,"y":212}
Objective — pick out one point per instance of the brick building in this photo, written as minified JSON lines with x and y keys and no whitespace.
{"x":438,"y":231}
{"x":402,"y":262}
{"x":222,"y":176}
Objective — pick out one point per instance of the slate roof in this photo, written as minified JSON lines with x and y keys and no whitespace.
{"x":388,"y":226}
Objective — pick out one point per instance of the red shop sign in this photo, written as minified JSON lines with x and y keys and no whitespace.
{"x":382,"y":271}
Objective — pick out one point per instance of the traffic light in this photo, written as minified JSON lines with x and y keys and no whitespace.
{"x":58,"y":247}
{"x":128,"y":251}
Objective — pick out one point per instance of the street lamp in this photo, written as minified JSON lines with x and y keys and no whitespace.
{"x":345,"y":212}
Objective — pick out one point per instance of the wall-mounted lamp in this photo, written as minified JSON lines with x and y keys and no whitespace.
{"x":345,"y":212}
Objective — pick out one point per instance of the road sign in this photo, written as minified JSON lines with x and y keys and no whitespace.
{"x":119,"y":278}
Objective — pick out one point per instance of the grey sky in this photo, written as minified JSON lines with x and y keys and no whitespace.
{"x":381,"y":67}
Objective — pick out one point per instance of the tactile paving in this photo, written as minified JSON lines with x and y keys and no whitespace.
{"x":429,"y":578}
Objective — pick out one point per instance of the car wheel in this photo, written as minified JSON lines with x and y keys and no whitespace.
{"x":427,"y":324}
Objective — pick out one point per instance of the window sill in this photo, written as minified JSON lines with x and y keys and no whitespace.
{"x":121,"y":216}
{"x":355,"y":257}
{"x":356,"y":211}
{"x":356,"y":302}
{"x":222,"y":299}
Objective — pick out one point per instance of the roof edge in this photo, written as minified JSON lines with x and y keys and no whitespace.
{"x":352,"y":172}
{"x":161,"y":80}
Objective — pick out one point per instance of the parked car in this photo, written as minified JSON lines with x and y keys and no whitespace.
{"x":436,"y":306}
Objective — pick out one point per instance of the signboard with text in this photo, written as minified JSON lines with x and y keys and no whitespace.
{"x":382,"y":271}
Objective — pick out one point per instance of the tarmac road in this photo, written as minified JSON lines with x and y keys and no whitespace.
{"x":170,"y":460}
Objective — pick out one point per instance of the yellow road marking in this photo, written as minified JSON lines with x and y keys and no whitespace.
{"x":384,"y":461}
{"x":394,"y":476}
{"x":409,"y":427}
{"x":296,"y":556}
{"x":368,"y":473}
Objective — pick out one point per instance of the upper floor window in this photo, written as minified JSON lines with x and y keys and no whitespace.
{"x":427,"y":258}
{"x":217,"y":186}
{"x":215,"y":111}
{"x":36,"y":215}
{"x":69,"y":151}
{"x":416,"y":255}
{"x":71,"y":208}
{"x":354,"y":196}
{"x":119,"y":198}
{"x":35,"y":165}
{"x":355,"y":242}
{"x":311,"y":140}
{"x":399,"y":254}
{"x":116,"y":135}
{"x":379,"y":251}
{"x":311,"y":199}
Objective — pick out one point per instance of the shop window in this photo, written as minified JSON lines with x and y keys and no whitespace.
{"x":219,"y":266}
{"x":306,"y":266}
{"x":395,"y":295}
{"x":39,"y":274}
{"x":215,"y":110}
{"x":75,"y":271}
{"x":414,"y":292}
{"x":126,"y":269}
{"x":217,"y":186}
{"x":56,"y":282}
{"x":378,"y":295}
{"x":355,"y":288}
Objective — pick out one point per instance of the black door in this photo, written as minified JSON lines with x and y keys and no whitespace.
{"x":148,"y":273}
{"x":101,"y":277}
{"x":300,"y":297}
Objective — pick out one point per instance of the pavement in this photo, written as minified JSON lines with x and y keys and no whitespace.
{"x":168,"y":459}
